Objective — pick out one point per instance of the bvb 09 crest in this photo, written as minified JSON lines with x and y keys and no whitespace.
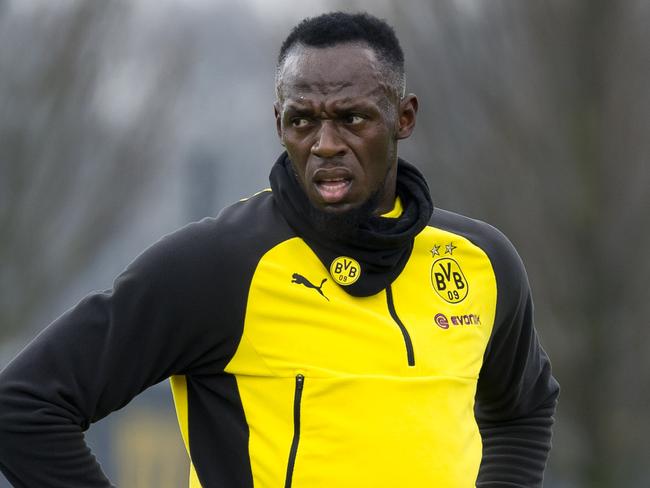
{"x":345,"y":270}
{"x":448,"y":280}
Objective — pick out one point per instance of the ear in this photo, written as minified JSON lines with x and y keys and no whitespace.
{"x":407,"y":112}
{"x":278,"y":120}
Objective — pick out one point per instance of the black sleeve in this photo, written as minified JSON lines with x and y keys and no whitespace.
{"x":516,"y":394}
{"x":158,"y":320}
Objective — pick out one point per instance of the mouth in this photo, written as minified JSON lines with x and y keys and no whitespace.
{"x":333,"y":184}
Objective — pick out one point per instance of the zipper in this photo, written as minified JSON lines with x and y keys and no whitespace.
{"x":410,"y":356}
{"x":297,"y":396}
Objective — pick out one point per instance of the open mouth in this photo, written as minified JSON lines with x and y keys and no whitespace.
{"x":333,"y":191}
{"x":333,"y":185}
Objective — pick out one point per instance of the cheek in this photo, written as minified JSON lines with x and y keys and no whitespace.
{"x":296,"y":143}
{"x":379,"y":148}
{"x":380,"y":158}
{"x":298,"y":152}
{"x":299,"y":170}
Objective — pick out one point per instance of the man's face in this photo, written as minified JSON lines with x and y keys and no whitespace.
{"x":339,"y":120}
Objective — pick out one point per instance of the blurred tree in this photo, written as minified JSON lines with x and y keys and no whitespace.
{"x":81,"y":131}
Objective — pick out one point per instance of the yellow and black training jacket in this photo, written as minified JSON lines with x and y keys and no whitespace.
{"x":283,"y":377}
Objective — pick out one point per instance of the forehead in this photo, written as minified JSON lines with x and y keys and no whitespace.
{"x":346,"y":70}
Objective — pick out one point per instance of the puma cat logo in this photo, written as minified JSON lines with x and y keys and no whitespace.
{"x":301,"y":280}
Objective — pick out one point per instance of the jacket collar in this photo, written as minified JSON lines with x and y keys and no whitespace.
{"x":379,"y":247}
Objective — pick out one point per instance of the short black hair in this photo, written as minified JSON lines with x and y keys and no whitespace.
{"x":335,"y":28}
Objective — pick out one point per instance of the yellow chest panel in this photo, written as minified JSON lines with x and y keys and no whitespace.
{"x":321,"y":330}
{"x":368,"y":417}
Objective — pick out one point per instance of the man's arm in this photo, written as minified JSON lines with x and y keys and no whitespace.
{"x":159,"y":320}
{"x":516,"y":394}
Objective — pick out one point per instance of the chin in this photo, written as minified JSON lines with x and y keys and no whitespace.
{"x":337,"y":208}
{"x":342,"y":220}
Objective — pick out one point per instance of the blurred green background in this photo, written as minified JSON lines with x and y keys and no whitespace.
{"x":122,"y":120}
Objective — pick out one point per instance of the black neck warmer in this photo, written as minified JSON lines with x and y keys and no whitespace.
{"x":381,"y":245}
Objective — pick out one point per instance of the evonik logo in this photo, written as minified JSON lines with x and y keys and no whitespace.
{"x":443,"y":322}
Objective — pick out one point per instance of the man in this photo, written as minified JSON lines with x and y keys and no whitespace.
{"x":335,"y":331}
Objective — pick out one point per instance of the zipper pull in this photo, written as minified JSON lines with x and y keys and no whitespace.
{"x":300,"y":379}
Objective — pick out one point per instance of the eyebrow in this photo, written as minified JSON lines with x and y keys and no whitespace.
{"x":351,"y":104}
{"x":295,"y":109}
{"x":343,"y":105}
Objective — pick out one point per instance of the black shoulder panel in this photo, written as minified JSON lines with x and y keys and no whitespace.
{"x":200,"y":275}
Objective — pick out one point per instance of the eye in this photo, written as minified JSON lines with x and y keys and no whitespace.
{"x":353,"y":119}
{"x":299,"y":122}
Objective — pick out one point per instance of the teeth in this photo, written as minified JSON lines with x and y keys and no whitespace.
{"x":333,"y":190}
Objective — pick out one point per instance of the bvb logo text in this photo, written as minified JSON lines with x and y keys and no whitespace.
{"x":448,"y":280}
{"x":345,"y":270}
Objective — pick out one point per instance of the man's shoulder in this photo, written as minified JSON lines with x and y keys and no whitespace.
{"x":254,"y":221}
{"x":499,"y":249}
{"x":249,"y":216}
{"x":241,"y":232}
{"x":470,"y":228}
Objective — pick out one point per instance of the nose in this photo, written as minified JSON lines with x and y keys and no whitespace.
{"x":328,"y":143}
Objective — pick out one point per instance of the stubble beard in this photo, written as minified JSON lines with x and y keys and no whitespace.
{"x":344,"y":225}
